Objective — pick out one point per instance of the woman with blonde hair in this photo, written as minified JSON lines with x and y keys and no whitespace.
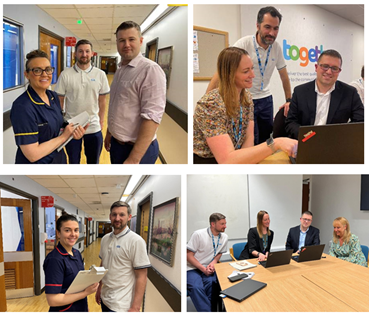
{"x":346,"y":246}
{"x":259,"y":239}
{"x":224,"y":117}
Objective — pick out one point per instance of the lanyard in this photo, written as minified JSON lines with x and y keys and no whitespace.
{"x":237,"y":136}
{"x":265,"y":243}
{"x":215,"y":248}
{"x":262,"y":71}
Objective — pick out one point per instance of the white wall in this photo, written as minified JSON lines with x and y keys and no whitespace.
{"x":281,"y":197}
{"x":240,"y":198}
{"x":29,"y":186}
{"x":172,"y":31}
{"x":302,"y":25}
{"x":31,"y":16}
{"x":220,"y":17}
{"x":333,"y":196}
{"x":164,"y":188}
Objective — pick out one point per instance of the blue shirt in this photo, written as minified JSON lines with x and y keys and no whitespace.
{"x":60,"y":270}
{"x":302,"y":238}
{"x":34,"y":121}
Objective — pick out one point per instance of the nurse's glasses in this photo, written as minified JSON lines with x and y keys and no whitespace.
{"x":39,"y":71}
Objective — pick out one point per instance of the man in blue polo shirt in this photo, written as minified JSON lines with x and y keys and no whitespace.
{"x":304,"y":234}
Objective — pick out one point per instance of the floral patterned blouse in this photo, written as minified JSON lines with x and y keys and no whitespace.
{"x":350,"y":251}
{"x":210,"y":119}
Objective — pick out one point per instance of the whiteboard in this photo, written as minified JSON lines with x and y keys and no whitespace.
{"x":281,"y":197}
{"x":226,"y":194}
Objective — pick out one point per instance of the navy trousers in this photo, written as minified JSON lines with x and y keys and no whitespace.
{"x":93,"y":145}
{"x":104,"y":308}
{"x":119,"y":153}
{"x":263,"y":119}
{"x":203,"y":290}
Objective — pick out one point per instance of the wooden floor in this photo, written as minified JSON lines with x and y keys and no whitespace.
{"x":105,"y":155}
{"x":39,"y":303}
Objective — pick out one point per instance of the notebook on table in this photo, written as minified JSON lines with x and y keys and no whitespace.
{"x":330,"y":144}
{"x":277,"y":259}
{"x":242,"y":290}
{"x":308,"y":253}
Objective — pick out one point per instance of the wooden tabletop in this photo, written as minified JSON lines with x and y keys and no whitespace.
{"x":329,"y":285}
{"x":279,"y":157}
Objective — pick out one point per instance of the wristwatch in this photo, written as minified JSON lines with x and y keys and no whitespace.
{"x":270,"y":143}
{"x":288,"y":100}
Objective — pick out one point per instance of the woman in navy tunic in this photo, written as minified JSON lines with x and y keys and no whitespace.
{"x":61,"y":266}
{"x":37,"y":118}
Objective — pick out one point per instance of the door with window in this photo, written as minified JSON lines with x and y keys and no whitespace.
{"x":52,"y":45}
{"x":16,"y":226}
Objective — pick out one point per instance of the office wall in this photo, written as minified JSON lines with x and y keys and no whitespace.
{"x":240,"y":198}
{"x":164,"y":188}
{"x":333,"y":196}
{"x":29,"y":186}
{"x":302,"y":25}
{"x":172,"y":31}
{"x":31,"y":16}
{"x":281,"y":197}
{"x":227,"y":194}
{"x":309,"y":26}
{"x":220,"y":17}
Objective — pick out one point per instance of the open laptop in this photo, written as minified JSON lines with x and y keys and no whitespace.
{"x":308,"y":253}
{"x":277,"y":258}
{"x":243,"y":289}
{"x":331,"y":144}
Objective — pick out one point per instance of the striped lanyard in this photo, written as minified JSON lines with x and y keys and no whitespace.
{"x":262,"y":71}
{"x":238,"y":136}
{"x":265,"y":242}
{"x":215,"y":248}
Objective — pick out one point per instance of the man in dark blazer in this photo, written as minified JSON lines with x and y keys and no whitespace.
{"x":324,"y":100}
{"x":304,"y":234}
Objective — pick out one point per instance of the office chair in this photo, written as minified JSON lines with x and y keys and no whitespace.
{"x":365,"y":250}
{"x":237,"y":249}
{"x":279,"y":125}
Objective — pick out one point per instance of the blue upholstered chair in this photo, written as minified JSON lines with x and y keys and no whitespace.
{"x":237,"y":249}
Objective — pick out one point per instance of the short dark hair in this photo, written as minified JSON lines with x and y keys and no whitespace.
{"x":307,"y":212}
{"x":216,"y":217}
{"x":35,"y":54}
{"x":127,"y":25}
{"x":332,"y":53}
{"x":272,"y":11}
{"x":362,"y":72}
{"x":83,"y":42}
{"x":65,"y":217}
{"x":118,"y":204}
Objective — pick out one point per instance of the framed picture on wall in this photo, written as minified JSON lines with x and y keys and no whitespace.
{"x":133,"y":223}
{"x":165,"y":61}
{"x":164,"y":231}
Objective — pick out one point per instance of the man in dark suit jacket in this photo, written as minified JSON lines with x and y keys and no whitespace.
{"x":325,"y":100}
{"x":304,"y":234}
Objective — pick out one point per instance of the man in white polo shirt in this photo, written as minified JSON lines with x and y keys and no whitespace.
{"x":84,"y":88}
{"x":204,"y":249}
{"x":123,"y":253}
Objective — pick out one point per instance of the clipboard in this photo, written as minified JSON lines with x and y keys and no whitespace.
{"x":81,"y":119}
{"x":85,"y":278}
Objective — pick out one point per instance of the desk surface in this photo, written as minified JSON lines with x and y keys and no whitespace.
{"x":279,"y":157}
{"x":329,"y":285}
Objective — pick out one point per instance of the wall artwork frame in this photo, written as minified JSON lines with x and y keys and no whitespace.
{"x":164,"y":231}
{"x":165,"y":56}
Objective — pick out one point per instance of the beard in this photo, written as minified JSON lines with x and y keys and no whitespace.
{"x":83,"y":61}
{"x":267,"y":40}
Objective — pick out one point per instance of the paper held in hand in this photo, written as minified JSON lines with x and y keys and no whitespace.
{"x":85,"y":278}
{"x":80,"y":120}
{"x":242,"y":265}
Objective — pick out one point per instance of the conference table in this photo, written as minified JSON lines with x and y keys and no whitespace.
{"x":326,"y":285}
{"x":279,"y":157}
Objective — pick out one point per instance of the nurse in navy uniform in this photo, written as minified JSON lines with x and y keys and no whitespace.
{"x":37,"y":118}
{"x":61,"y":266}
